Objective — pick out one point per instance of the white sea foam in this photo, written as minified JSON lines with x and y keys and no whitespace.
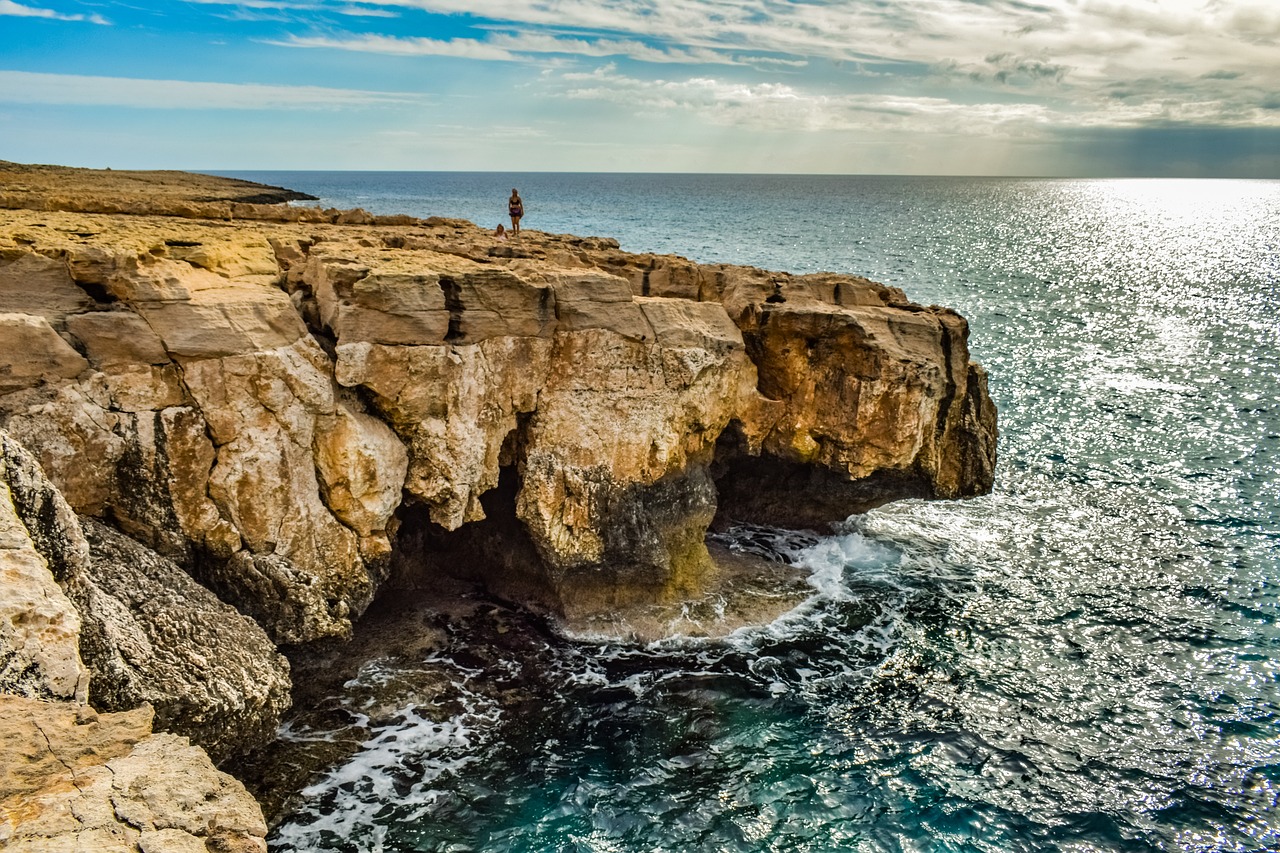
{"x":399,"y":763}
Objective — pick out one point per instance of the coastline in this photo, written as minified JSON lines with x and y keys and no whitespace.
{"x":588,"y":416}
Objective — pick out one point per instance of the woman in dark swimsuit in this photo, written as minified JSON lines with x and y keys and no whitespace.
{"x":515,"y":207}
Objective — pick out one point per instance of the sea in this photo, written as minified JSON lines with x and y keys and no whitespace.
{"x":1087,"y":659}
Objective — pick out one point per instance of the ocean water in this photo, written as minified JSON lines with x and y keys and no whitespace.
{"x":1087,"y":659}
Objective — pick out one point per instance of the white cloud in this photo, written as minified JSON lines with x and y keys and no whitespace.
{"x":71,"y":89}
{"x":1076,"y":49}
{"x":8,"y":7}
{"x":366,"y":12}
{"x":1099,"y":40}
{"x":507,"y":47}
{"x":457,"y":48}
{"x":263,"y":4}
{"x":779,"y":107}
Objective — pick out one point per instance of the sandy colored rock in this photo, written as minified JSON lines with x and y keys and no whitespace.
{"x":34,"y":284}
{"x":73,"y":432}
{"x":628,"y":399}
{"x":34,"y":353}
{"x":76,"y":780}
{"x":455,"y":407}
{"x":117,"y":339}
{"x":362,"y":467}
{"x":615,"y":467}
{"x":146,"y":632}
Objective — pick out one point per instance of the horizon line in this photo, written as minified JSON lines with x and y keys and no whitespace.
{"x":1107,"y":176}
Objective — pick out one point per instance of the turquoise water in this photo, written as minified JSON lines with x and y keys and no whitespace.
{"x":1086,"y":660}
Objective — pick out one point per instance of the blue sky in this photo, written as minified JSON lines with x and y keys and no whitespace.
{"x":990,"y":87}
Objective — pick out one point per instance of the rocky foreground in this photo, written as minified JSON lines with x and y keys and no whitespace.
{"x":228,"y":425}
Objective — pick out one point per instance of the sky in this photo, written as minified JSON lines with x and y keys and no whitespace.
{"x":1161,"y":88}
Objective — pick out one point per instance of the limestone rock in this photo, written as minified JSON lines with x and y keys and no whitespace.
{"x":616,"y":454}
{"x":73,"y":433}
{"x":75,"y":780}
{"x":614,"y":402}
{"x":234,"y":256}
{"x":300,"y":571}
{"x":52,"y":526}
{"x":145,"y":630}
{"x":199,"y":314}
{"x":39,"y":627}
{"x":455,"y":407}
{"x":362,"y":467}
{"x":589,"y":300}
{"x":874,"y":403}
{"x":34,"y":284}
{"x":159,"y":638}
{"x":34,"y":353}
{"x":426,"y":298}
{"x":117,"y":339}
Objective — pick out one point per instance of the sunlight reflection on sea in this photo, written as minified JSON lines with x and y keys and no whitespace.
{"x":1087,"y":659}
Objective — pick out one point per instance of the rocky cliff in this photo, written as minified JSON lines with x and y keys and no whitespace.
{"x":266,"y":403}
{"x":252,"y":417}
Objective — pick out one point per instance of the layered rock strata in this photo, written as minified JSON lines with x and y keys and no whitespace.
{"x":261,"y":402}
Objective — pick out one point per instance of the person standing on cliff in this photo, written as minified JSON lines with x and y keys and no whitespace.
{"x":515,"y":207}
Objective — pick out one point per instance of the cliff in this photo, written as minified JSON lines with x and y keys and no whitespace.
{"x":250,"y":410}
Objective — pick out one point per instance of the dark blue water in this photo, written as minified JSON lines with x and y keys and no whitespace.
{"x":1088,"y":659}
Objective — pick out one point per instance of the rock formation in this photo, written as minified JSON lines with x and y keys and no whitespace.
{"x":226,"y":424}
{"x":262,"y":402}
{"x":99,"y":617}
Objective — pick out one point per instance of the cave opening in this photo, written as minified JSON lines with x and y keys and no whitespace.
{"x":495,"y":555}
{"x":762,"y":488}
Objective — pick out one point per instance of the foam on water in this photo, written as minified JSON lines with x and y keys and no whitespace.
{"x":400,"y":763}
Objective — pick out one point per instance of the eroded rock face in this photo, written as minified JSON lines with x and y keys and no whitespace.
{"x":99,"y":617}
{"x":39,"y":627}
{"x":209,"y":672}
{"x":266,"y":430}
{"x":71,"y":779}
{"x":195,"y":427}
